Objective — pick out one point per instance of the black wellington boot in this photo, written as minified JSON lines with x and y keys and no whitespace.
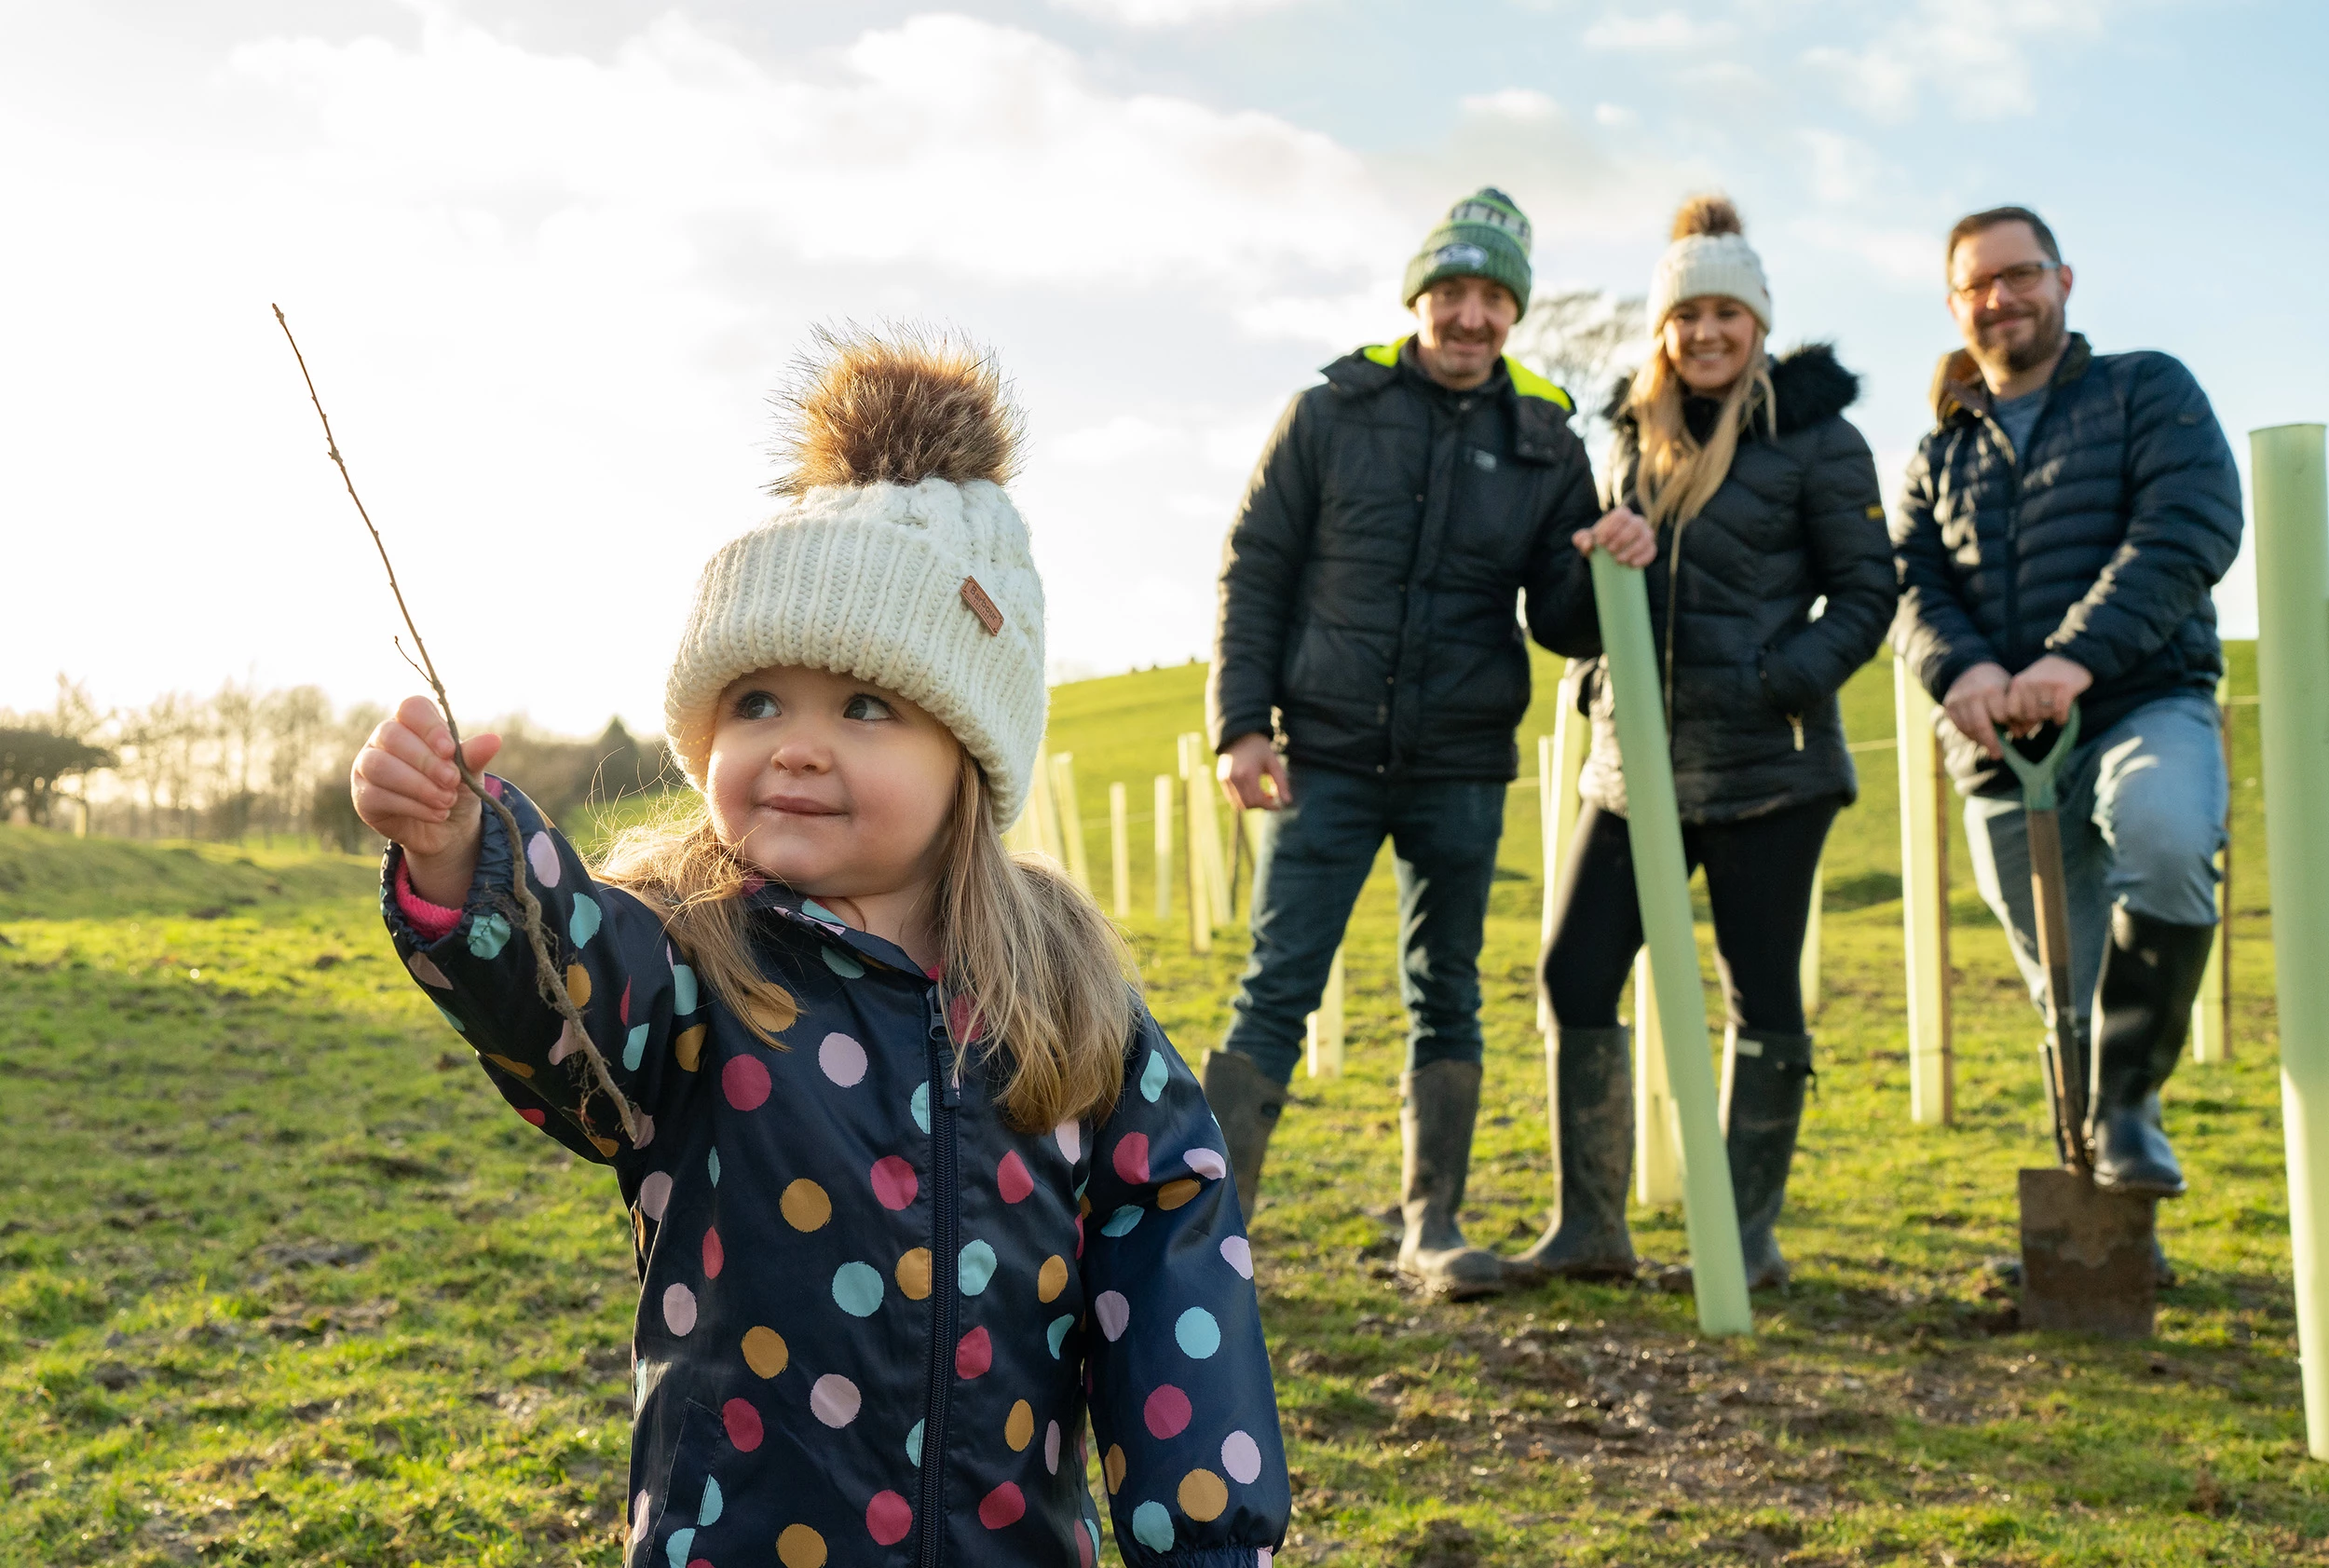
{"x":2143,"y":998}
{"x":1438,"y":1107}
{"x":1588,"y":1238}
{"x":1764,"y":1075}
{"x":1247,"y":1104}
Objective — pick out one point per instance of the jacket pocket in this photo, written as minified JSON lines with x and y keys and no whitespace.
{"x":688,"y":1498}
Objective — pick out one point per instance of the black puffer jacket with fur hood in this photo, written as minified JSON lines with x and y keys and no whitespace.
{"x":1753,"y":675}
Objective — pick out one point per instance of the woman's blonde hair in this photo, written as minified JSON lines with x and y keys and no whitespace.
{"x":1047,"y":977}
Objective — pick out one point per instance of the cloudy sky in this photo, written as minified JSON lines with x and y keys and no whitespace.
{"x":547,"y":259}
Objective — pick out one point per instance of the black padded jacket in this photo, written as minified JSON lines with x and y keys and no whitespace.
{"x":1752,"y":674}
{"x":1368,"y":584}
{"x":2100,"y":543}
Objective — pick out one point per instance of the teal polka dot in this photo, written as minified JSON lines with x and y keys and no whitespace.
{"x":583,"y":924}
{"x":1152,"y":1077}
{"x":488,"y":934}
{"x":817,"y":911}
{"x":977,"y":1266}
{"x":1057,"y":1335}
{"x":1120,"y":1222}
{"x":683,"y":989}
{"x":1091,"y":1528}
{"x":676,"y":1548}
{"x":450,"y":1020}
{"x":857,"y":1290}
{"x":635,"y":1047}
{"x":710,"y":1509}
{"x":712,"y":1164}
{"x":1198,"y":1333}
{"x":914,"y":1445}
{"x":841,"y":963}
{"x":920,"y":1105}
{"x":1152,"y":1526}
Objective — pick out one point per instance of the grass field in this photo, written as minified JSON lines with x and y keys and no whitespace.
{"x":282,"y":1282}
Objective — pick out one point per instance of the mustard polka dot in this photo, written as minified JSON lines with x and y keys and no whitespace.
{"x":801,"y":1546}
{"x":688,"y":1047}
{"x":1202,"y":1496}
{"x":805,"y":1206}
{"x":1174,"y":1194}
{"x":765,"y":1352}
{"x":510,"y":1064}
{"x":1112,"y":1467}
{"x":1052,"y":1278}
{"x":913,"y":1274}
{"x":1019,"y":1430}
{"x":578,"y":985}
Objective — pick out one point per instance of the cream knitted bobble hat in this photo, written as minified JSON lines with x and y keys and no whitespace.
{"x":1710,"y":256}
{"x":898,"y":559}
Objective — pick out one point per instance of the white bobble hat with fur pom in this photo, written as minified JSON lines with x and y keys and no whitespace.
{"x":1710,"y":256}
{"x":897,"y":558}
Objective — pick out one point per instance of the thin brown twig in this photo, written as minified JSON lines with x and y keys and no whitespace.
{"x":547,"y":977}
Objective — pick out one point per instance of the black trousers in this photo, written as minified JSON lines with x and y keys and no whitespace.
{"x":1759,"y":875}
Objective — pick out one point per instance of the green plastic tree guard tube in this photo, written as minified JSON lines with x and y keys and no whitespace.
{"x":2292,"y":504}
{"x":1653,"y":826}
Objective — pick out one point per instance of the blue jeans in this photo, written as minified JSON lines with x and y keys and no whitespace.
{"x":1307,"y":877}
{"x":2142,"y":820}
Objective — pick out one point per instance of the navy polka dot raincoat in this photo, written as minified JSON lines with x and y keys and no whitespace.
{"x":873,"y":1314}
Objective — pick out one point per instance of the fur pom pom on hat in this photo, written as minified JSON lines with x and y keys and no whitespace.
{"x":1710,"y":256}
{"x":896,"y":557}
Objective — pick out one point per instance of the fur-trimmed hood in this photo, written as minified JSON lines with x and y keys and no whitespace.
{"x":1812,"y":385}
{"x":1959,"y":388}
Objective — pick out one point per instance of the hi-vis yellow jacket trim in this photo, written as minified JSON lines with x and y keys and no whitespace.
{"x":1524,"y":381}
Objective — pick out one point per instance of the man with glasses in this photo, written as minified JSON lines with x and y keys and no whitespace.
{"x":2063,"y":523}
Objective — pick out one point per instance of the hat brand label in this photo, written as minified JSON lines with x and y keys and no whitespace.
{"x":981,"y":605}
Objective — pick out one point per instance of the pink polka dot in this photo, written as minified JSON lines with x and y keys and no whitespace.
{"x":529,"y":1114}
{"x":1131,"y":1158}
{"x":427,"y":973}
{"x":1011,"y":1179}
{"x":1114,"y":1312}
{"x":843,"y":1059}
{"x":835,"y":1400}
{"x":743,"y":1423}
{"x":714,"y":1255}
{"x":1206,"y":1163}
{"x":655,"y":1194}
{"x":679,"y":1309}
{"x":622,"y":1009}
{"x":493,"y":786}
{"x":1238,"y":1253}
{"x":1084,"y":1547}
{"x":976,"y":1353}
{"x":1079,"y":1237}
{"x":745,"y":1082}
{"x":1001,"y":1506}
{"x":542,"y":855}
{"x":1166,"y":1412}
{"x":894,"y":1182}
{"x":888,"y":1519}
{"x":963,"y":1021}
{"x":1070,"y":1136}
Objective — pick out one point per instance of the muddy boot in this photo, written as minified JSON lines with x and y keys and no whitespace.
{"x":1248,"y":1105}
{"x":1763,"y":1077}
{"x":1438,"y":1105}
{"x":2143,"y":999}
{"x":1594,"y":1130}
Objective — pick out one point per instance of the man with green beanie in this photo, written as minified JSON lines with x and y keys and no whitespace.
{"x":1369,"y":672}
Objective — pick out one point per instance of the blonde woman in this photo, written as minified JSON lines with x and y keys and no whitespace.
{"x":1738,"y":484}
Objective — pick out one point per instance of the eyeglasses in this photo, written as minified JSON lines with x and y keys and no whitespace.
{"x":2018,"y":278}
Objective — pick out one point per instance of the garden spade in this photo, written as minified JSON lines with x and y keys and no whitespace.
{"x":2086,"y":1253}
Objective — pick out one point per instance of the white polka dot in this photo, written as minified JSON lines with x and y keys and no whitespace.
{"x":1070,"y":1136}
{"x":639,"y":1506}
{"x":1239,"y":1254}
{"x":842,"y":1058}
{"x":1206,"y":1163}
{"x":655,"y":1195}
{"x":1241,"y":1456}
{"x":646,"y":1129}
{"x":427,"y":973}
{"x":1051,"y":1448}
{"x":679,"y":1309}
{"x":1114,"y":1312}
{"x":542,"y":855}
{"x":565,"y":1045}
{"x":834,"y":1400}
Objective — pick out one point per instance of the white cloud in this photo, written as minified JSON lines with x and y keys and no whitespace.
{"x":1974,"y":55}
{"x":1908,"y":258}
{"x":1668,"y":31}
{"x":1614,"y":116}
{"x":1843,"y":169}
{"x":1105,"y":446}
{"x":1168,"y":13}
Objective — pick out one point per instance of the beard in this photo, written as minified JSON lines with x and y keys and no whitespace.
{"x":2047,"y":334}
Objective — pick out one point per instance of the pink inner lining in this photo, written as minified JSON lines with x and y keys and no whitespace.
{"x":434,"y":921}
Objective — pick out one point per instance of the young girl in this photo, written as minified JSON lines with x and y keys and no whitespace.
{"x":915,"y":1176}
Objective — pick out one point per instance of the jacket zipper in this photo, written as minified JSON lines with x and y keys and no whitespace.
{"x":1795,"y":722}
{"x":944,"y":1096}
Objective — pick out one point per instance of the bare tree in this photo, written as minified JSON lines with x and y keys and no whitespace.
{"x":1587,"y":341}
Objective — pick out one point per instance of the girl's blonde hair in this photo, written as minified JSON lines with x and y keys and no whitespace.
{"x":1675,"y":473}
{"x":1047,"y":977}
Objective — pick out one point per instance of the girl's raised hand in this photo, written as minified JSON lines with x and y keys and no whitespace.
{"x":408,"y":791}
{"x":1623,"y":533}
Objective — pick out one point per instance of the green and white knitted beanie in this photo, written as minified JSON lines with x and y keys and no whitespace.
{"x":1483,"y":236}
{"x":898,"y":558}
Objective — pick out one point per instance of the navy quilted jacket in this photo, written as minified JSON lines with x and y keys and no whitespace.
{"x":872,"y":1314}
{"x":2100,"y":543}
